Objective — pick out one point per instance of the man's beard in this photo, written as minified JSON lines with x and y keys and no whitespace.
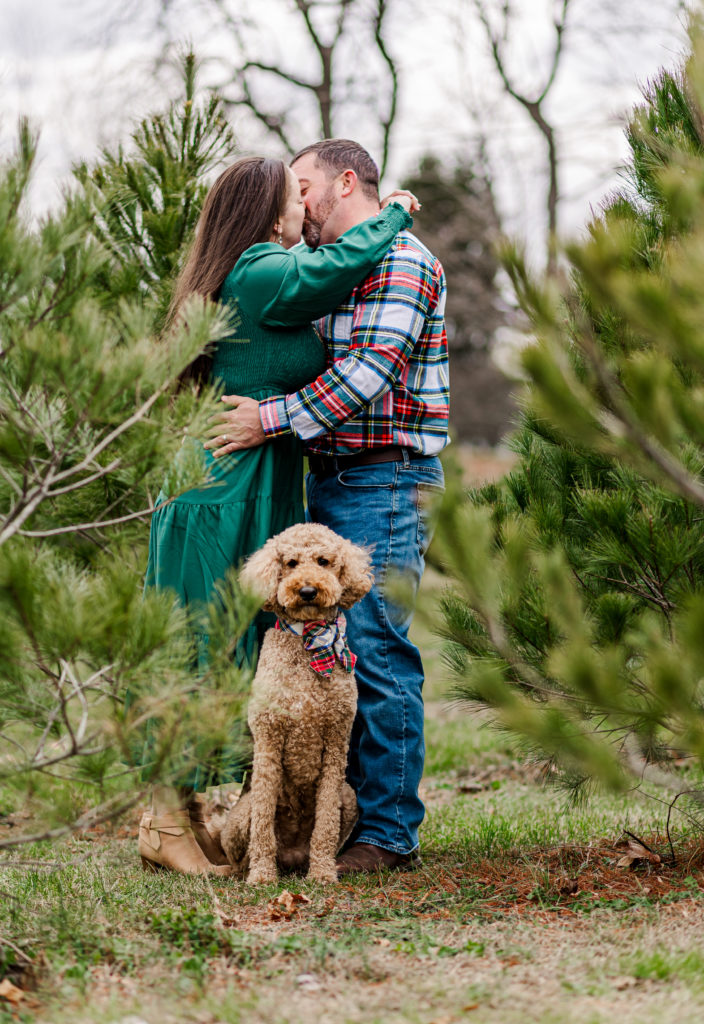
{"x":311,"y":233}
{"x":313,"y":225}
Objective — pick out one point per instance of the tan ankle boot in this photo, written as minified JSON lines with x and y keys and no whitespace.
{"x":209,"y":844}
{"x":167,"y":841}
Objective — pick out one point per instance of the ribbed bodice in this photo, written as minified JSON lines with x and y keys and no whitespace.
{"x":260,"y":363}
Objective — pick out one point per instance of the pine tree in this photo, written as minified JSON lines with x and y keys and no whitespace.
{"x":146,"y":201}
{"x":91,"y":422}
{"x":578,"y":613}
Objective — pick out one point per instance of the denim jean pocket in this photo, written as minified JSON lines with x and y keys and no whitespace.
{"x":426,"y":494}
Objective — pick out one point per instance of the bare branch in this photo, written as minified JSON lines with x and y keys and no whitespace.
{"x":533,"y":107}
{"x":20,"y":515}
{"x":304,"y":7}
{"x":272,"y":122}
{"x":75,"y":527}
{"x":273,"y":70}
{"x":4,"y":941}
{"x":557,"y":52}
{"x":388,"y":121}
{"x":324,"y":45}
{"x":103,"y":471}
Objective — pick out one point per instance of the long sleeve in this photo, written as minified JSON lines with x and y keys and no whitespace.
{"x":390,"y":316}
{"x":288,"y":287}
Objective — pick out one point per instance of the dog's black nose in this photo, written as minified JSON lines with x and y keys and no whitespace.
{"x":308,"y":593}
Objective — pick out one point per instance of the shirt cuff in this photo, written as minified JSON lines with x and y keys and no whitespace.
{"x":274,"y":417}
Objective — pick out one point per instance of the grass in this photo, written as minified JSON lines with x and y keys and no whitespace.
{"x":489,"y":929}
{"x":519,"y":914}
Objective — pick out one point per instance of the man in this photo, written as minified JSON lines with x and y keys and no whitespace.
{"x":373,"y":424}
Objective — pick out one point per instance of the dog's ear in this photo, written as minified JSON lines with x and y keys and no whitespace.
{"x":356,"y":576}
{"x":261,"y":572}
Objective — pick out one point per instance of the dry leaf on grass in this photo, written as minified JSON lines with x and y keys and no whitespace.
{"x":624,"y":982}
{"x":285,"y":905}
{"x":223,"y":918}
{"x":636,"y":854}
{"x":328,"y":906}
{"x":308,"y":982}
{"x":10,"y":992}
{"x":568,"y":887}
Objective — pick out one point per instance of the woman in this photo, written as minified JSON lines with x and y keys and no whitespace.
{"x":256,"y":493}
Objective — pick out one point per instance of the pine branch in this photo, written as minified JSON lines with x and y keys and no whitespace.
{"x":619,"y":422}
{"x":40,"y":493}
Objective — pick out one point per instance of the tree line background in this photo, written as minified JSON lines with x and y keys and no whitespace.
{"x":489,"y":142}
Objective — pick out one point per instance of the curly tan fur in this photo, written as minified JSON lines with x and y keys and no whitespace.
{"x":300,"y":809}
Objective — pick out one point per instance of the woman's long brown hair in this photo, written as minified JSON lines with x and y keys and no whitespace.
{"x":240,"y":210}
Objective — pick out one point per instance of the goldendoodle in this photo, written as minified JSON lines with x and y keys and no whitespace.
{"x":299,"y":809}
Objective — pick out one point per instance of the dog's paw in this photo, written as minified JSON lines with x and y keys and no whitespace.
{"x":326,"y":873}
{"x":261,"y":875}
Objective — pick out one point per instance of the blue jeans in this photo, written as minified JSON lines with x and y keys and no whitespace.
{"x":381,"y":506}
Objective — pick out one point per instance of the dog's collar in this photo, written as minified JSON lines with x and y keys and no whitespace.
{"x":324,"y":641}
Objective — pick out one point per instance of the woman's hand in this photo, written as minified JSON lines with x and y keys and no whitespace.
{"x":235,"y":428}
{"x":404,"y":198}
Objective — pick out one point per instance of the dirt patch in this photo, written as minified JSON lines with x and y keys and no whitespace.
{"x":565,"y":879}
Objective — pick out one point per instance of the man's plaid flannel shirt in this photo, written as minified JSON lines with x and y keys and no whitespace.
{"x":387,"y":380}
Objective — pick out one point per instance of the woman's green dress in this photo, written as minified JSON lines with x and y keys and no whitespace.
{"x":258,"y":492}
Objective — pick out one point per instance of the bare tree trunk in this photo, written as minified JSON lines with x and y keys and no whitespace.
{"x":533,"y":106}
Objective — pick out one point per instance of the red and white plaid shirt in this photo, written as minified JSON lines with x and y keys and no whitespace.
{"x":387,"y":381}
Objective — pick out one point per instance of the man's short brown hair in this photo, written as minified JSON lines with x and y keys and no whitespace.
{"x":339,"y":154}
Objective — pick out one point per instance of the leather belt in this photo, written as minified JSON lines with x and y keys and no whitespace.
{"x":329,"y":465}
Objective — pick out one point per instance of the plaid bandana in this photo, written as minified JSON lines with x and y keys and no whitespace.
{"x":324,"y":641}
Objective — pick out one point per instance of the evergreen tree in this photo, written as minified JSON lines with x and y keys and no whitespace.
{"x":146,"y":201}
{"x":91,"y":422}
{"x":578,"y":613}
{"x":460,"y":225}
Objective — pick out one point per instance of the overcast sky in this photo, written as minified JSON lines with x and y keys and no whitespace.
{"x":83,"y":87}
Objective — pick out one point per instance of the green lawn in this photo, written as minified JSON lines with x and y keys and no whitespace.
{"x":520,"y":913}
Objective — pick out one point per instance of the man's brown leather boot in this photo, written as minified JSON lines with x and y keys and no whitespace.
{"x":366,"y":858}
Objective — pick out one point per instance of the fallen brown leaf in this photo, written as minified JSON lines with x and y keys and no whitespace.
{"x":327,"y":907}
{"x":285,"y":905}
{"x":569,"y":887}
{"x":635,"y":854}
{"x":225,"y":919}
{"x":625,"y":982}
{"x":10,"y":992}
